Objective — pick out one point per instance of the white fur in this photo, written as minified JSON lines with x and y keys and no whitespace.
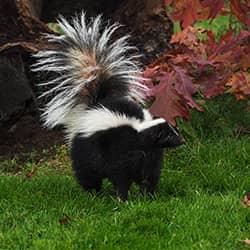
{"x":87,"y":53}
{"x":91,"y":121}
{"x":147,"y":115}
{"x":173,"y":129}
{"x":148,"y":124}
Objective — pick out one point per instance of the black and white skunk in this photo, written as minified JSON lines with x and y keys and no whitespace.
{"x":97,"y":97}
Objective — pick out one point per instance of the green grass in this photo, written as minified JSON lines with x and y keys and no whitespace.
{"x":197,"y":204}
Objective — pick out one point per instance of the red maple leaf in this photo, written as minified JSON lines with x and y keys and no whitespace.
{"x":214,"y":6}
{"x":212,"y":84}
{"x":185,"y":11}
{"x":189,"y":38}
{"x":186,"y":37}
{"x":168,"y":104}
{"x":241,"y":9}
{"x":239,"y":85}
{"x":168,"y":2}
{"x":228,"y":44}
{"x":185,"y":87}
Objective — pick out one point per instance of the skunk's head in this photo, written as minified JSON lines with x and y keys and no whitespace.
{"x":161,"y":134}
{"x":166,"y":136}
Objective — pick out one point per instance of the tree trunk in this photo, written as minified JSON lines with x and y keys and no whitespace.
{"x":51,"y":8}
{"x":148,"y":24}
{"x":20,"y":35}
{"x":145,"y":20}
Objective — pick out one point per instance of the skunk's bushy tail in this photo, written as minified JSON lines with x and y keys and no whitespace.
{"x":85,"y":57}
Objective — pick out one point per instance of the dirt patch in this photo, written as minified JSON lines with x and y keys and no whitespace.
{"x":27,"y":135}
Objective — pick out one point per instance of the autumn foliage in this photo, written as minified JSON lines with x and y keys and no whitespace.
{"x":198,"y":63}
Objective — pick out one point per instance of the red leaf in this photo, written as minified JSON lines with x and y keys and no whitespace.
{"x":186,"y":37}
{"x":168,"y":103}
{"x":246,"y":241}
{"x":31,"y":172}
{"x":245,"y":60}
{"x":185,"y":87}
{"x":185,"y":11}
{"x":215,"y":6}
{"x":168,"y":2}
{"x":210,"y":85}
{"x":228,"y":43}
{"x":246,"y":201}
{"x":163,"y":77}
{"x":65,"y":219}
{"x":241,"y":11}
{"x":239,"y":85}
{"x":189,"y":16}
{"x":150,"y":71}
{"x":210,"y":43}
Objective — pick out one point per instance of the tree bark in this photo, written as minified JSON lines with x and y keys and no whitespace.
{"x":20,"y":34}
{"x":52,"y":8}
{"x":145,"y":20}
{"x":148,"y":24}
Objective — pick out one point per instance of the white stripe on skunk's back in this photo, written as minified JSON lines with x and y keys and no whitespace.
{"x":91,"y":121}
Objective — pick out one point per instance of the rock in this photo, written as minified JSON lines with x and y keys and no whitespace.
{"x":14,"y":90}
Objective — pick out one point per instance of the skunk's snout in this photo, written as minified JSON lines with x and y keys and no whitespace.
{"x":162,"y":135}
{"x":172,"y":141}
{"x":182,"y":140}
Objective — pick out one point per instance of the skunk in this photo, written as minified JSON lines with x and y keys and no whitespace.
{"x":98,"y":97}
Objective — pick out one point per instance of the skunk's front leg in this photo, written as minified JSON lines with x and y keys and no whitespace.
{"x":88,"y":181}
{"x":149,"y":184}
{"x":122,"y":185}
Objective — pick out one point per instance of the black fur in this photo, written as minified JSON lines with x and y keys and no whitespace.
{"x":123,"y":106}
{"x":122,"y":154}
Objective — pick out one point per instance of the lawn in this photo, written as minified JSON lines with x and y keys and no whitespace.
{"x":198,"y":203}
